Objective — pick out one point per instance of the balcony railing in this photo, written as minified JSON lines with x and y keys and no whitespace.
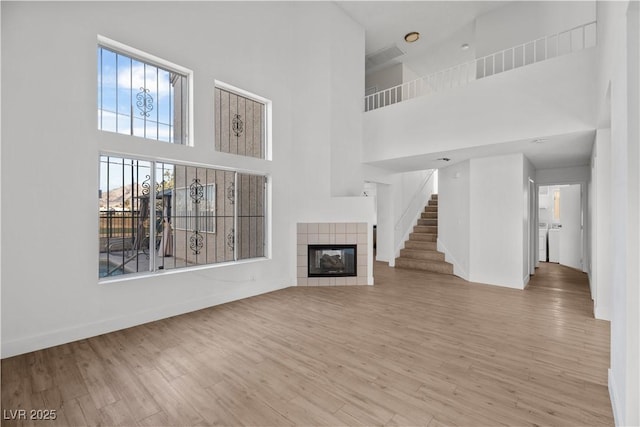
{"x":552,"y":46}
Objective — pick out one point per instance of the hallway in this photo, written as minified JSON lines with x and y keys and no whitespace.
{"x":574,"y":284}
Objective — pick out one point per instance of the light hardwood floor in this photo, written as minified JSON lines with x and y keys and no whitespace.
{"x":417,"y":348}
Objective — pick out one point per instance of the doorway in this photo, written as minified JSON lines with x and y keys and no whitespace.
{"x":561,"y":225}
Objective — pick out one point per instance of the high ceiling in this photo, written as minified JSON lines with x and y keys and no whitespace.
{"x":386,"y":23}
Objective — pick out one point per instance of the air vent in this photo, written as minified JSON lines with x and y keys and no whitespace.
{"x":383,"y":56}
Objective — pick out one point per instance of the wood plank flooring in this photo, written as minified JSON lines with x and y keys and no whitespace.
{"x":417,"y":348}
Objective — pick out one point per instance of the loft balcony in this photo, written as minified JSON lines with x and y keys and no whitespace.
{"x":548,"y":47}
{"x":542,"y":87}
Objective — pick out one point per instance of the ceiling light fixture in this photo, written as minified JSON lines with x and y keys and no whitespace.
{"x":465,"y":46}
{"x":412,"y":37}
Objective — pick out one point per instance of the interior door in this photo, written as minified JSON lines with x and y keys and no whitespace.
{"x":571,"y":231}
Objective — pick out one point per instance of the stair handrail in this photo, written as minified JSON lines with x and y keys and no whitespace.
{"x":413,"y":199}
{"x":438,"y":80}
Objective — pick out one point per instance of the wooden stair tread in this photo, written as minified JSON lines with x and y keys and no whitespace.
{"x":426,"y":229}
{"x":420,"y":251}
{"x":434,"y":266}
{"x":421,"y":254}
{"x":418,"y":244}
{"x":425,"y":237}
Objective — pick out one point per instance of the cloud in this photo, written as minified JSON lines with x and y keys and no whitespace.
{"x":134,"y":75}
{"x":110,"y":122}
{"x":156,"y":80}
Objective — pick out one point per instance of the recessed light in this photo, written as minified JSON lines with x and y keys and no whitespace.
{"x":444,"y":159}
{"x":412,"y":37}
{"x":465,"y":46}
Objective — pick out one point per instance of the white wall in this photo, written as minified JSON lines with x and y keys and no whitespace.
{"x":600,"y":225}
{"x":50,"y":291}
{"x":546,"y":205}
{"x":346,"y":69}
{"x":524,"y":21}
{"x":385,"y":78}
{"x":385,"y":238}
{"x":619,"y":31}
{"x":496,"y":230}
{"x":408,"y":74}
{"x":544,"y":215}
{"x":483,"y":219}
{"x":454,"y":216}
{"x":390,"y":76}
{"x":633,"y":214}
{"x":591,"y":235}
{"x":383,"y":180}
{"x":1,"y":146}
{"x":551,"y":97}
{"x":568,"y":175}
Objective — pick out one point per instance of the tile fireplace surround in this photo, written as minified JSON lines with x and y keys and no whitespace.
{"x":327,"y":233}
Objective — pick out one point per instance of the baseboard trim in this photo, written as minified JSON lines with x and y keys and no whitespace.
{"x":617,"y":417}
{"x":88,"y":330}
{"x":601,"y":313}
{"x":457,"y":270}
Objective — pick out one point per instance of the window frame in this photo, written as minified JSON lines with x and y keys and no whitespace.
{"x":153,"y":270}
{"x":153,"y":60}
{"x":267,"y":117}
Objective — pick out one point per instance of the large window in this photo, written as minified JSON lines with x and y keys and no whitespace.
{"x":158,"y":216}
{"x":140,"y":97}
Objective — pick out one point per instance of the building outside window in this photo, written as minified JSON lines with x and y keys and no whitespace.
{"x":159,"y":216}
{"x":188,"y":210}
{"x":240,"y":122}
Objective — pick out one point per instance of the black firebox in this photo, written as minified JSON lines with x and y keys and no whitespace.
{"x":332,"y":260}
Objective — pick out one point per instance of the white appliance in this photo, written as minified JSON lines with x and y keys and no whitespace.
{"x":542,"y":241}
{"x":554,"y":244}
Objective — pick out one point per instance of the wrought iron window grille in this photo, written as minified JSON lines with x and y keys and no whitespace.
{"x":139,"y":97}
{"x":184,"y":222}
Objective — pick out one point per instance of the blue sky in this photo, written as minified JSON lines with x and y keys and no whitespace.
{"x":120,"y":80}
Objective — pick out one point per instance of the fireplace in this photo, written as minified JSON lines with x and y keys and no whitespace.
{"x":332,"y":260}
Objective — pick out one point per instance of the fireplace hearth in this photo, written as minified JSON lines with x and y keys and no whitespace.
{"x":332,"y":260}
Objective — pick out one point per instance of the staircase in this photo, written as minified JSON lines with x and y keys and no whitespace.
{"x":420,"y":251}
